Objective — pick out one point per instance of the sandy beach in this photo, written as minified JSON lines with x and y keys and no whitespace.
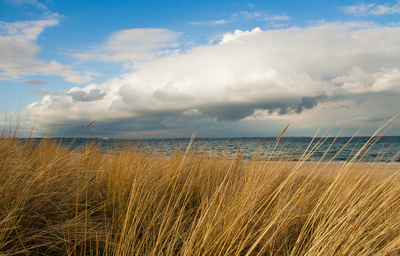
{"x":329,"y":168}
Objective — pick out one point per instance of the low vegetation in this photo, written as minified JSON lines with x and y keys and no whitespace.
{"x":59,"y":201}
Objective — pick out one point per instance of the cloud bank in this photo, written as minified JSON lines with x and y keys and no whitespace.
{"x":328,"y":68}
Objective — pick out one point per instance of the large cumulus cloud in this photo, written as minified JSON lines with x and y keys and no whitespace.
{"x":250,"y":74}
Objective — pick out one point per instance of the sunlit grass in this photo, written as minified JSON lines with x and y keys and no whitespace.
{"x":57,"y":201}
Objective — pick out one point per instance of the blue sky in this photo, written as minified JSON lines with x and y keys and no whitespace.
{"x":221,"y":68}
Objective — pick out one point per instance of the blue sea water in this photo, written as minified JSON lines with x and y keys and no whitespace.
{"x":383,"y":149}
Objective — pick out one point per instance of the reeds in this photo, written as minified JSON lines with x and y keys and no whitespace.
{"x":59,"y":201}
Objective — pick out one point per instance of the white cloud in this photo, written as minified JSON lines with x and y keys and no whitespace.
{"x":34,"y":3}
{"x":211,"y":22}
{"x":359,"y":81}
{"x":133,"y":45}
{"x":18,"y":50}
{"x":249,"y":15}
{"x":237,"y":34}
{"x":281,"y":17}
{"x":372,"y":9}
{"x":293,"y":72}
{"x":264,"y":16}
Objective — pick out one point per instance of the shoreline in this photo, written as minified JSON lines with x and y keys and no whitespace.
{"x":386,"y":169}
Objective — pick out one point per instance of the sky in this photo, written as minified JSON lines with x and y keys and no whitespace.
{"x":166,"y":69}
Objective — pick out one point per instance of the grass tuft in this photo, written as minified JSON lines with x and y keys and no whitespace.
{"x":59,"y":201}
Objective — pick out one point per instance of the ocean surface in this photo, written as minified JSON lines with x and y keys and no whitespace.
{"x":383,"y":149}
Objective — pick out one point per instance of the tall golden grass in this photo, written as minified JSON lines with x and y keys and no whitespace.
{"x":59,"y":201}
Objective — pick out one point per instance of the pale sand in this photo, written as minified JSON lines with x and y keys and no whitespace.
{"x":329,"y":168}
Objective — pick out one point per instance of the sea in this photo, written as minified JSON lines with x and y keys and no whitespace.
{"x":340,"y":149}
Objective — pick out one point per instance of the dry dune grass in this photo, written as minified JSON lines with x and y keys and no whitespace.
{"x":56,"y":201}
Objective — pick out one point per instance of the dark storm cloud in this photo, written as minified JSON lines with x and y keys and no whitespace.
{"x":307,"y":103}
{"x":133,"y":127}
{"x":81,"y":95}
{"x":234,"y":112}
